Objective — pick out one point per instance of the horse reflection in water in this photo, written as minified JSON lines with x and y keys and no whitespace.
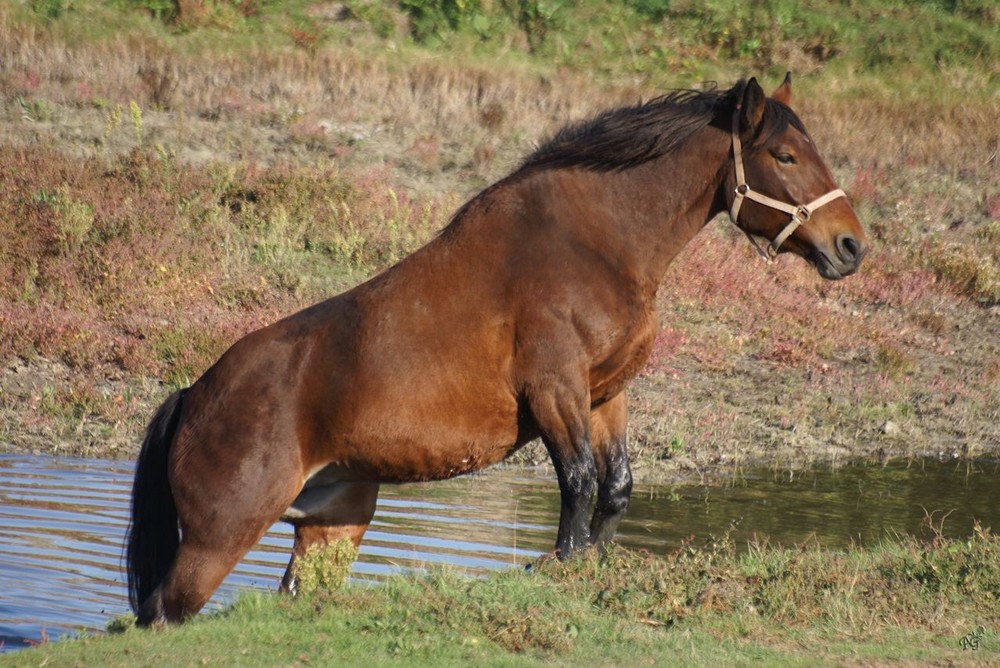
{"x":526,"y":317}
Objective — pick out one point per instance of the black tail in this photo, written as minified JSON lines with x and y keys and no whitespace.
{"x":153,"y":535}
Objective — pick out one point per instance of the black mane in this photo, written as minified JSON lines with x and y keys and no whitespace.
{"x":626,"y":137}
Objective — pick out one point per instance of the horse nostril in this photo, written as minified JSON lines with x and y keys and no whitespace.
{"x":848,"y":248}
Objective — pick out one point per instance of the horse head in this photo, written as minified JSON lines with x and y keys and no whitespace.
{"x":780,"y":189}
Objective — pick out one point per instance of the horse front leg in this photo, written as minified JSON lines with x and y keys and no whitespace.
{"x":562,"y":417}
{"x":576,"y":474}
{"x":608,"y":428}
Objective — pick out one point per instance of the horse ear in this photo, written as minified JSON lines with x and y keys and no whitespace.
{"x":783,"y":93}
{"x":752,"y":106}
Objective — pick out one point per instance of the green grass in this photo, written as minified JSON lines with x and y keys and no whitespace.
{"x":650,"y":38}
{"x":903,"y":600}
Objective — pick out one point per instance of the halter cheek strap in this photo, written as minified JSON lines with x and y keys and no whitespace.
{"x":799,"y":213}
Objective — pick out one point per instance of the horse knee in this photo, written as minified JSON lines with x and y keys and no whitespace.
{"x":579,"y":475}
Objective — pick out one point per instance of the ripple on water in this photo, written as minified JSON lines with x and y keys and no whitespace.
{"x":62,"y":522}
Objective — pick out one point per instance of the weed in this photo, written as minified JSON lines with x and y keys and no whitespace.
{"x":536,"y":18}
{"x":307,"y":35}
{"x":975,"y":275}
{"x":991,"y":232}
{"x":112,"y":121}
{"x":121,"y":624}
{"x":51,"y":9}
{"x":379,"y":17}
{"x":404,"y":232}
{"x":656,"y":10}
{"x":185,"y":351}
{"x":35,"y":110}
{"x":74,"y":221}
{"x":136,"y":114}
{"x":325,"y":567}
{"x":161,"y":84}
{"x":161,"y":9}
{"x":29,"y":291}
{"x":433,"y":19}
{"x":893,"y":360}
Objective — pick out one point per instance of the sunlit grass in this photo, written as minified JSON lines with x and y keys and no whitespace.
{"x":902,"y":600}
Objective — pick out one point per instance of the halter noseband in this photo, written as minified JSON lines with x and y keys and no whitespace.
{"x":799,"y":213}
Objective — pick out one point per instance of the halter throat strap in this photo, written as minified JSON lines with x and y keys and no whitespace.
{"x":799,"y":213}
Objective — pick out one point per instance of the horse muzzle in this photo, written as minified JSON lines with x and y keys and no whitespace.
{"x":842,"y":260}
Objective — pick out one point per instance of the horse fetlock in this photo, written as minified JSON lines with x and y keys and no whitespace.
{"x":289,"y":583}
{"x":614,"y":494}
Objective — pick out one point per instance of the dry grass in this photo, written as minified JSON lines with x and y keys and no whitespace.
{"x":168,"y":196}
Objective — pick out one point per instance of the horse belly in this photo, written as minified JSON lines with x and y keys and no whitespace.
{"x":396,"y":449}
{"x":409,"y":427}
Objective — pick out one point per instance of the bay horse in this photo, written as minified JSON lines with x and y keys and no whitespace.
{"x":527,"y":316}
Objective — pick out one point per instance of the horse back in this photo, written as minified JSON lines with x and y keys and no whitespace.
{"x":417,"y":373}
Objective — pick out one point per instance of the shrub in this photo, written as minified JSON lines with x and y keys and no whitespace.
{"x":325,"y":567}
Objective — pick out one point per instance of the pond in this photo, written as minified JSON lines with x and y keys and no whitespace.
{"x":62,"y":522}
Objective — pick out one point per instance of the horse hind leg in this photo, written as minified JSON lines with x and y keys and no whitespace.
{"x":614,"y":476}
{"x":223,"y":512}
{"x":198,"y":570}
{"x":325,"y":514}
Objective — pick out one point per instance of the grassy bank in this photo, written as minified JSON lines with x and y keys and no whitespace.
{"x":172,"y":180}
{"x":175,"y":180}
{"x":903,"y":602}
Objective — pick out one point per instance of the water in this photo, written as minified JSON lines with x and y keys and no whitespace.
{"x":62,"y":523}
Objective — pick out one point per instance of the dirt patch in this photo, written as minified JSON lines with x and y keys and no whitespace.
{"x":738,"y":378}
{"x":46,"y":408}
{"x":752,"y":365}
{"x":692,"y":419}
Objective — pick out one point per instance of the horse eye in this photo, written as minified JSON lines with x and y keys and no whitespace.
{"x":785,"y":159}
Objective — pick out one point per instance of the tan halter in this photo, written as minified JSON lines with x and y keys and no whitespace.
{"x":799,"y":213}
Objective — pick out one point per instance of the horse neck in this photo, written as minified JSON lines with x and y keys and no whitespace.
{"x":664,"y":203}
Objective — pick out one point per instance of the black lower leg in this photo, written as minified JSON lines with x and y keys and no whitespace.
{"x":613,"y":494}
{"x":576,"y":487}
